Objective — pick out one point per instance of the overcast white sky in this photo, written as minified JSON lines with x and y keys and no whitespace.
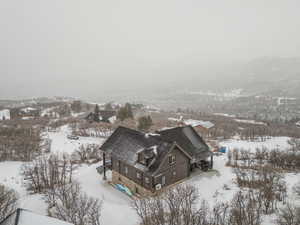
{"x":85,"y":47}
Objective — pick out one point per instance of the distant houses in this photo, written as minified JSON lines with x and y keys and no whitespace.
{"x":106,"y":116}
{"x":5,"y":114}
{"x":145,"y":164}
{"x":203,"y":127}
{"x":26,"y":217}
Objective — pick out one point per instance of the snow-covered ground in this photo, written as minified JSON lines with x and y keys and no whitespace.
{"x":250,"y":122}
{"x":117,"y":206}
{"x":10,"y":176}
{"x":10,"y":171}
{"x":61,"y":144}
{"x":272,"y":143}
{"x":224,"y":114}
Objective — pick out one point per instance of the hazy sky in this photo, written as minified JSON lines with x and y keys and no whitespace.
{"x":86,"y":47}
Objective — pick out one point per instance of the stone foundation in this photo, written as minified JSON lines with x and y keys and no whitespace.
{"x":135,"y":188}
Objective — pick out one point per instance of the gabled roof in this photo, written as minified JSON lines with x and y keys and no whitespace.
{"x":125,"y":144}
{"x":196,"y":123}
{"x":187,"y":139}
{"x":107,"y":114}
{"x":25,"y":217}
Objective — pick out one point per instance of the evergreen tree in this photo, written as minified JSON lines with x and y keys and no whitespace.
{"x":144,"y":123}
{"x":108,"y":107}
{"x":76,"y":106}
{"x":125,"y":112}
{"x":129,"y":110}
{"x":97,"y":114}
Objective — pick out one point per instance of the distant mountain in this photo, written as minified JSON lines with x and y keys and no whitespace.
{"x":274,"y":76}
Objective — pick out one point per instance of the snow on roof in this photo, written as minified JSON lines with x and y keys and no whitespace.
{"x":5,"y":114}
{"x":249,"y":121}
{"x":224,"y":114}
{"x":147,"y":135}
{"x":112,"y":119}
{"x":25,"y":217}
{"x":175,"y":119}
{"x":29,"y":218}
{"x":28,"y":109}
{"x":196,"y":123}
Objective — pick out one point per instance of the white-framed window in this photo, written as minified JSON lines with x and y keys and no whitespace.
{"x":126,"y":170}
{"x":172,"y":159}
{"x":138,"y":175}
{"x":147,"y":180}
{"x":163,"y":180}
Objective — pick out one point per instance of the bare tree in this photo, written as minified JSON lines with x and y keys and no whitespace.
{"x":20,"y":143}
{"x":70,"y":204}
{"x":85,"y":153}
{"x":176,"y":207}
{"x":290,"y":215}
{"x":8,"y":202}
{"x":245,"y":209}
{"x":47,"y":172}
{"x":297,"y":188}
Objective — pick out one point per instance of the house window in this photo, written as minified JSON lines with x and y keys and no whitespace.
{"x":126,"y":170}
{"x":172,"y":159}
{"x":142,"y":159}
{"x":147,"y":180}
{"x":138,"y":175}
{"x":163,"y":180}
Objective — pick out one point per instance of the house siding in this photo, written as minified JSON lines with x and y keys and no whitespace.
{"x":167,"y":174}
{"x":181,"y":168}
{"x":119,"y":166}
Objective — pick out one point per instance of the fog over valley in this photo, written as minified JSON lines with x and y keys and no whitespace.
{"x":99,"y":49}
{"x":149,"y":112}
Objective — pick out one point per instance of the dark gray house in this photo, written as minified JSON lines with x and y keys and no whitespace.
{"x":147,"y":163}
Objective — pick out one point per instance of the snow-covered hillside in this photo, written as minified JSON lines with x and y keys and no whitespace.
{"x":272,"y":143}
{"x":217,"y":185}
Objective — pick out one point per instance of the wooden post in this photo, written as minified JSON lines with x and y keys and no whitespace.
{"x":211,"y":161}
{"x":104,"y":167}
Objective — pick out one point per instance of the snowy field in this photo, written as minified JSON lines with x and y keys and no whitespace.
{"x":61,"y":144}
{"x":272,"y":143}
{"x":117,"y":206}
{"x":250,"y":122}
